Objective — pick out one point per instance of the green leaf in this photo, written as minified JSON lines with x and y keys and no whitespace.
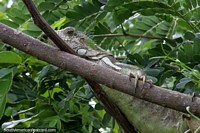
{"x":9,"y":111}
{"x":53,"y":121}
{"x":90,"y":7}
{"x":77,"y":84}
{"x":196,"y":47}
{"x":73,"y":15}
{"x":189,"y":36}
{"x":59,"y":125}
{"x":62,"y":111}
{"x":32,"y":27}
{"x":82,"y":10}
{"x":101,"y":16}
{"x":136,"y":59}
{"x":115,"y":2}
{"x":188,"y":50}
{"x":178,"y":40}
{"x":46,"y":6}
{"x":119,"y":16}
{"x":32,"y":33}
{"x":18,"y":13}
{"x":5,"y":83}
{"x":182,"y":83}
{"x":9,"y":23}
{"x":4,"y":72}
{"x":106,"y":118}
{"x":16,"y":19}
{"x":196,"y":58}
{"x":10,"y":57}
{"x":154,"y":71}
{"x":111,"y":4}
{"x":96,"y":123}
{"x":166,"y":75}
{"x":98,"y":106}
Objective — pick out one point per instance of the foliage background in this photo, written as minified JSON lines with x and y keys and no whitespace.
{"x":36,"y":94}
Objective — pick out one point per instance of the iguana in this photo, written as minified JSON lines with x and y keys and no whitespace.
{"x":146,"y":117}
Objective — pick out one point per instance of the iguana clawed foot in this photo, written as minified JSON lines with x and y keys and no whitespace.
{"x":193,"y":96}
{"x":141,"y":77}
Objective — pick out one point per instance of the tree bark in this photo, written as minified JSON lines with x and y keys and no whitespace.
{"x":97,"y":73}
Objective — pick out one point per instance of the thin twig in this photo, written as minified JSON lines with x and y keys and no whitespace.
{"x":129,"y":35}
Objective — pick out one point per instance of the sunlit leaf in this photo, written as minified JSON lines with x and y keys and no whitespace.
{"x":10,"y":57}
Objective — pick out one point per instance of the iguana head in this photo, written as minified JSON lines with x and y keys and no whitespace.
{"x":75,"y":39}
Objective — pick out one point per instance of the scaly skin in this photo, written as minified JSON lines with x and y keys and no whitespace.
{"x":145,"y":116}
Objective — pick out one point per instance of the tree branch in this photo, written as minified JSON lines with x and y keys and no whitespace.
{"x":98,"y":73}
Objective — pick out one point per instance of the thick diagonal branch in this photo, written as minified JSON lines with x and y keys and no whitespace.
{"x":99,"y":93}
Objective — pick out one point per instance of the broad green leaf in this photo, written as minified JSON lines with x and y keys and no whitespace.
{"x":98,"y":106}
{"x":96,"y":123}
{"x":9,"y":111}
{"x":77,"y":84}
{"x":196,"y":47}
{"x":73,"y":15}
{"x":119,"y":15}
{"x":111,"y":4}
{"x":5,"y":83}
{"x":16,"y":20}
{"x":189,"y":36}
{"x":59,"y":125}
{"x":136,"y":59}
{"x":80,"y":9}
{"x":32,"y":27}
{"x":153,"y":71}
{"x":46,"y":6}
{"x":9,"y":23}
{"x":53,"y":120}
{"x":106,"y":119}
{"x":63,"y":110}
{"x":90,"y":7}
{"x":188,"y":50}
{"x":182,"y":83}
{"x":196,"y":58}
{"x":4,"y":72}
{"x":17,"y":13}
{"x":85,"y":117}
{"x":10,"y":57}
{"x":32,"y":33}
{"x":166,"y":75}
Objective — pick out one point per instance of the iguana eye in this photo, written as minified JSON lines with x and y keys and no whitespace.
{"x":71,"y":33}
